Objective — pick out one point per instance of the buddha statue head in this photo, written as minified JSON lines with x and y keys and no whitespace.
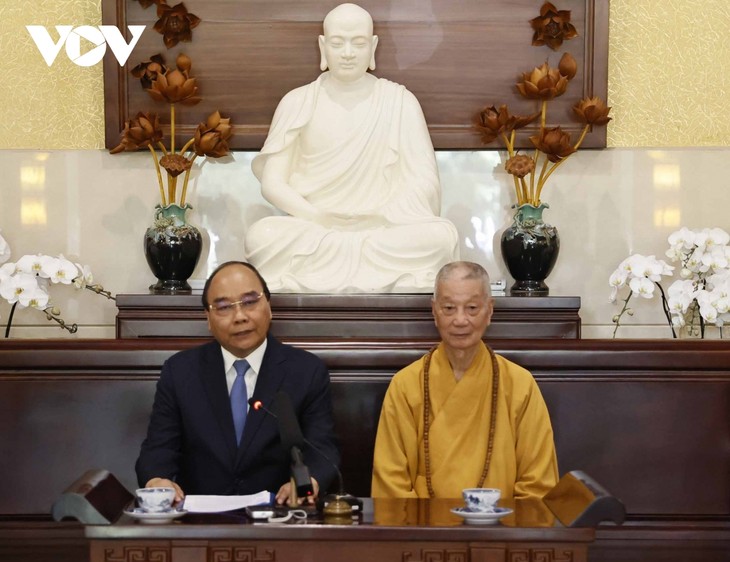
{"x":348,"y":45}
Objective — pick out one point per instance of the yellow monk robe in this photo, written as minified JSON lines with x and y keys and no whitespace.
{"x":523,"y":463}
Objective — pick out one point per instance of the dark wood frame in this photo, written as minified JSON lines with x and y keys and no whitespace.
{"x":457,"y":59}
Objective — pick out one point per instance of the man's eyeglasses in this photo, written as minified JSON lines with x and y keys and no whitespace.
{"x":248,"y":302}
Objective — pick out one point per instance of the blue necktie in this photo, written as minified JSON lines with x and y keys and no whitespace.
{"x":239,"y":398}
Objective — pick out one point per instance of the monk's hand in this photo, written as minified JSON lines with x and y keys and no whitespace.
{"x":284,"y":494}
{"x":165,"y":483}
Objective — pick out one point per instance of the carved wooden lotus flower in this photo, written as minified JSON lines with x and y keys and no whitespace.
{"x":553,"y":144}
{"x":592,"y":111}
{"x":175,"y":23}
{"x":175,"y":164}
{"x":148,"y":70}
{"x":520,"y":165}
{"x":139,"y":132}
{"x":552,"y":27}
{"x":492,"y":122}
{"x":176,"y":85}
{"x":545,"y":82}
{"x":173,"y":86}
{"x":211,"y":137}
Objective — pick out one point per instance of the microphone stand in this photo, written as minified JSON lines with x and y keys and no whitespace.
{"x":336,"y":506}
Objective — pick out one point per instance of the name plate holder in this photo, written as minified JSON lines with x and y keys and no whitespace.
{"x":579,"y":501}
{"x":96,"y":498}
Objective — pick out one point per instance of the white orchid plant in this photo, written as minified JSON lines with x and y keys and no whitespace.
{"x":702,"y":294}
{"x":26,"y":282}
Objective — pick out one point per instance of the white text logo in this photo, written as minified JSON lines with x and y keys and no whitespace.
{"x":71,"y":36}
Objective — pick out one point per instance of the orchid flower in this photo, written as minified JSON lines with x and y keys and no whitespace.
{"x":701,"y":294}
{"x":26,"y":283}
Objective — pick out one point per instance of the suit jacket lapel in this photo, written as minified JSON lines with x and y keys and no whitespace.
{"x":267,"y":384}
{"x":213,"y":379}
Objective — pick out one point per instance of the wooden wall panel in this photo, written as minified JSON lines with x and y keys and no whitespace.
{"x":647,"y":419}
{"x":455,"y":55}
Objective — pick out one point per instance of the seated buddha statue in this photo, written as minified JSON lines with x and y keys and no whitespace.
{"x":349,"y":159}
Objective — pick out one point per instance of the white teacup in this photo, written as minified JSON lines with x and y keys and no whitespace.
{"x":155,"y":500}
{"x":481,"y":499}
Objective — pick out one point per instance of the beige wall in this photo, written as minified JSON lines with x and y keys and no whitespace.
{"x":669,"y":74}
{"x":60,"y":107}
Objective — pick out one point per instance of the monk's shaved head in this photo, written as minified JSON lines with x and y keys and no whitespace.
{"x":463,"y":270}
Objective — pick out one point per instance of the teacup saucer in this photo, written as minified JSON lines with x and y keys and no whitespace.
{"x":159,"y":518}
{"x":472,"y":517}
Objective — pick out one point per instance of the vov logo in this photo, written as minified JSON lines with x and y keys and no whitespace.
{"x":71,"y":36}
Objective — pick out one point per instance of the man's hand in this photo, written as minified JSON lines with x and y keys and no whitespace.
{"x":165,"y":483}
{"x":284,"y":493}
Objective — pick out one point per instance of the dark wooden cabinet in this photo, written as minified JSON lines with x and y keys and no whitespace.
{"x":376,"y":316}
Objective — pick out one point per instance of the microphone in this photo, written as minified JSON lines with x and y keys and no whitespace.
{"x":292,"y":433}
{"x":291,"y":439}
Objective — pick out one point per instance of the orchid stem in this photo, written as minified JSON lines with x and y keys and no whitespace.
{"x":667,"y":313}
{"x":99,"y":290}
{"x":620,"y":314}
{"x":72,"y":329}
{"x":10,"y":320}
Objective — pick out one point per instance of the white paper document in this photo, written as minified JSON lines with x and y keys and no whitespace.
{"x":216,"y":504}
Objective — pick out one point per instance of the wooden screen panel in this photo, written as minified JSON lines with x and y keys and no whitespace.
{"x":648,"y":419}
{"x":456,"y":56}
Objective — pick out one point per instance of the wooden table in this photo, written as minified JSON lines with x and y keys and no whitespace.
{"x":388,"y":530}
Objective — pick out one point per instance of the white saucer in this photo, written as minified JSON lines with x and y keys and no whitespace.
{"x":479,"y":517}
{"x":155,"y":518}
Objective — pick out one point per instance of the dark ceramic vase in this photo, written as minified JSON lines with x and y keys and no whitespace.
{"x":172,"y":248}
{"x":530,"y":248}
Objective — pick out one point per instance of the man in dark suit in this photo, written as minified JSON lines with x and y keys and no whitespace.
{"x":201,"y":401}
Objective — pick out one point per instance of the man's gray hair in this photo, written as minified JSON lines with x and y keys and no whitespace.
{"x":463,"y":270}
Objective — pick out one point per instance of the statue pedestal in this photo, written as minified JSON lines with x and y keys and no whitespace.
{"x":394,"y":317}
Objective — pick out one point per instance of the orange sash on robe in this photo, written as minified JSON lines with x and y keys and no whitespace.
{"x":460,"y":419}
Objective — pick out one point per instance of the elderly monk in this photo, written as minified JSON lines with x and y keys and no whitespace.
{"x":349,"y":159}
{"x":463,"y":417}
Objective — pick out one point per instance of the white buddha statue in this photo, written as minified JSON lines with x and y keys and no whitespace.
{"x":349,"y":159}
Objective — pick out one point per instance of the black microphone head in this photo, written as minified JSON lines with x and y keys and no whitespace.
{"x":289,"y":430}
